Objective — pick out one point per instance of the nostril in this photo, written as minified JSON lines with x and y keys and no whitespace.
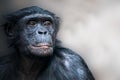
{"x":40,"y":32}
{"x":45,"y":32}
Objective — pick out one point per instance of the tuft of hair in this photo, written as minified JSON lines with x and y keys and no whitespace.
{"x":15,"y":16}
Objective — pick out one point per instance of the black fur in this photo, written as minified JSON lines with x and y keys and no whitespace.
{"x":63,"y":64}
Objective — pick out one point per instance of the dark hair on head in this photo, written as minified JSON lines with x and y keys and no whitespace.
{"x":15,"y":16}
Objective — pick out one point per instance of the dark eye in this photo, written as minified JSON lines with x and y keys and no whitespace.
{"x":47,"y":23}
{"x":33,"y":23}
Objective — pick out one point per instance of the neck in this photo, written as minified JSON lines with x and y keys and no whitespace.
{"x":32,"y":65}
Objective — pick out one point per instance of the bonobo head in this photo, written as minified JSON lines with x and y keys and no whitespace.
{"x":32,"y":30}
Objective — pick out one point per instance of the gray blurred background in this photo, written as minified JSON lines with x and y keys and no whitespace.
{"x":89,"y":27}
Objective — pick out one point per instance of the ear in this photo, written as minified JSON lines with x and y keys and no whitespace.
{"x":9,"y":29}
{"x":57,"y":22}
{"x":57,"y":19}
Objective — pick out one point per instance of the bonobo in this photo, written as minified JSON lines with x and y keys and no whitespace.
{"x":38,"y":54}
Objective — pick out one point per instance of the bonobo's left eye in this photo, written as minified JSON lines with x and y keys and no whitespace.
{"x":32,"y":23}
{"x":47,"y":23}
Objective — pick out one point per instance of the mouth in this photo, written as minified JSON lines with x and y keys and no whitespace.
{"x":42,"y":49}
{"x":41,"y":46}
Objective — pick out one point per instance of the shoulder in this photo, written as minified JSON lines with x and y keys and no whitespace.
{"x":6,"y":66}
{"x":4,"y":63}
{"x":69,"y":57}
{"x":71,"y":64}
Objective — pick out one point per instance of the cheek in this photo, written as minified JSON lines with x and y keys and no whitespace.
{"x":51,"y":30}
{"x":29,"y":30}
{"x":28,"y":34}
{"x":52,"y":33}
{"x":24,"y":39}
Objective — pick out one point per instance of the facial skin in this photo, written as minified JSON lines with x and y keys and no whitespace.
{"x":36,"y":34}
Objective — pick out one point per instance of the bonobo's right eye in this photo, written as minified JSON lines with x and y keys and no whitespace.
{"x":32,"y":23}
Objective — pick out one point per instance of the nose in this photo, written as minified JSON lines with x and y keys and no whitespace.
{"x":42,"y":32}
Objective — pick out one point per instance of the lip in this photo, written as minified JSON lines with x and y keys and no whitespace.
{"x":41,"y":45}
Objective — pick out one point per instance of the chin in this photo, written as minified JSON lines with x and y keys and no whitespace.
{"x":41,"y":51}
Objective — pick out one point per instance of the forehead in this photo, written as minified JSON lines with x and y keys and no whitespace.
{"x":37,"y":16}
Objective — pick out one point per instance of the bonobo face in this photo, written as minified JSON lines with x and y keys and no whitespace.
{"x":32,"y":30}
{"x":36,"y":34}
